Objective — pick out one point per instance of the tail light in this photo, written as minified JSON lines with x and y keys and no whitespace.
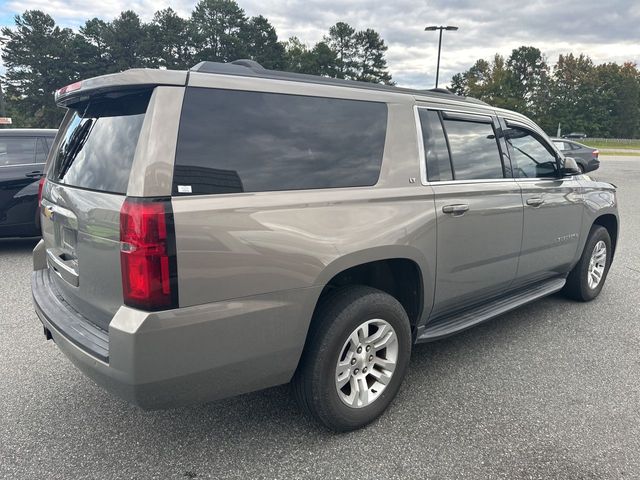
{"x":68,"y":88}
{"x":147,"y":254}
{"x":40,"y":188}
{"x":596,"y":153}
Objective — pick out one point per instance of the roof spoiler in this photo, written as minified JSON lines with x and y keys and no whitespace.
{"x":137,"y":77}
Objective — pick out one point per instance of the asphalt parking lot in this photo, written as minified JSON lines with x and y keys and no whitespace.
{"x":550,"y":391}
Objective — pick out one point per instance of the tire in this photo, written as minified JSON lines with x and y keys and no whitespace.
{"x":578,"y":286}
{"x":331,"y":340}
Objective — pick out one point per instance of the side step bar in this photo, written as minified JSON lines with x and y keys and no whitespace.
{"x":450,"y":324}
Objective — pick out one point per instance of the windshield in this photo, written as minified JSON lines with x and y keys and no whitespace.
{"x":99,"y":142}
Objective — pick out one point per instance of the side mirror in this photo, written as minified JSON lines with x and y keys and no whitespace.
{"x":569,"y":167}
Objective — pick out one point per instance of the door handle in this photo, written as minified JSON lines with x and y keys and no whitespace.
{"x":34,"y":174}
{"x":535,"y":201}
{"x":457,"y":209}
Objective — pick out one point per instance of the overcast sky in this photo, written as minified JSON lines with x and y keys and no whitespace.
{"x":606,"y":30}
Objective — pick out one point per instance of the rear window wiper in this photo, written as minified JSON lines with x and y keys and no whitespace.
{"x":77,"y":141}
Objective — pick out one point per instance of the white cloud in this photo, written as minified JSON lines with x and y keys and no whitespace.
{"x":606,"y":31}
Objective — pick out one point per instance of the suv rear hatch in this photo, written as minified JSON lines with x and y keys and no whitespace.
{"x":87,"y":179}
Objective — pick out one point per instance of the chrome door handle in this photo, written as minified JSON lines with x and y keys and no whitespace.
{"x":535,"y":202}
{"x":457,"y":209}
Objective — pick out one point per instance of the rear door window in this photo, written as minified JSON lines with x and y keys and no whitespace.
{"x":238,"y":141}
{"x":435,"y":146}
{"x":98,"y":145}
{"x":475,"y":154}
{"x":17,"y":150}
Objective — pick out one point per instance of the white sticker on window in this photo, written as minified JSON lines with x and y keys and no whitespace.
{"x":184,"y":188}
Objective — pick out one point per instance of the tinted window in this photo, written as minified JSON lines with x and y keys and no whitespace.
{"x":529,"y":157}
{"x":17,"y":150}
{"x":474,"y":150}
{"x":435,"y":146}
{"x":41,"y":150}
{"x":97,"y":148}
{"x":235,"y":141}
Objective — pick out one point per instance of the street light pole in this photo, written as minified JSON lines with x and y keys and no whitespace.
{"x":441,"y":28}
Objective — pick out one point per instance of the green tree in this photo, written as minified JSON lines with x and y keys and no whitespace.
{"x":320,"y":60}
{"x":600,"y":100}
{"x":92,"y":48}
{"x":216,"y":27}
{"x":370,"y":63}
{"x":458,"y":84}
{"x":125,"y":39}
{"x":39,"y":58}
{"x":619,"y":87}
{"x":342,"y":40}
{"x":529,"y":74}
{"x":167,"y":41}
{"x":298,"y":58}
{"x":627,"y":108}
{"x":487,"y":81}
{"x":358,"y":55}
{"x":108,"y":47}
{"x":3,"y":106}
{"x":260,"y":42}
{"x":575,"y":100}
{"x":473,"y":81}
{"x":324,"y":60}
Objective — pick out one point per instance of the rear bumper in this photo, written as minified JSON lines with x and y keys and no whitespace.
{"x":189,"y":355}
{"x":592,"y":164}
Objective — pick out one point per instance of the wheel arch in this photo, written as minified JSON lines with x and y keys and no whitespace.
{"x":401,"y":271}
{"x":610,"y":222}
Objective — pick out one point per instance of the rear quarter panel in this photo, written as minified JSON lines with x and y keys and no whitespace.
{"x":267,"y":243}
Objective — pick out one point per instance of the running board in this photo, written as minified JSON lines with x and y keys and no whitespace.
{"x":454,"y":323}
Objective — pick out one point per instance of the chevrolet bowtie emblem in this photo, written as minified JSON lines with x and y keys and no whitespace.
{"x":48,"y":212}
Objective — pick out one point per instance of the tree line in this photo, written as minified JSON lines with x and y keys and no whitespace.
{"x":41,"y":56}
{"x":600,"y":100}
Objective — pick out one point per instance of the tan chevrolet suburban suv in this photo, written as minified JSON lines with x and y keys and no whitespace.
{"x":224,"y":229}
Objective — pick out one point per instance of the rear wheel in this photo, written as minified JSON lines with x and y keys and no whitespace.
{"x":356,"y":357}
{"x":587,"y":278}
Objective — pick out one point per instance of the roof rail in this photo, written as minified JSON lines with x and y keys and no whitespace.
{"x":251,"y":68}
{"x":245,"y":62}
{"x":441,"y":90}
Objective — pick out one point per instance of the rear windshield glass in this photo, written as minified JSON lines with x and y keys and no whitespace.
{"x":237,"y":141}
{"x":97,"y":147}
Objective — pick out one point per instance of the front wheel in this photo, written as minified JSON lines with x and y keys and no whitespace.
{"x":587,"y":278}
{"x":356,"y":358}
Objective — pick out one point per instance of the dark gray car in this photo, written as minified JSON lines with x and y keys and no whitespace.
{"x":586,"y":157}
{"x":230,"y":228}
{"x":23,"y":152}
